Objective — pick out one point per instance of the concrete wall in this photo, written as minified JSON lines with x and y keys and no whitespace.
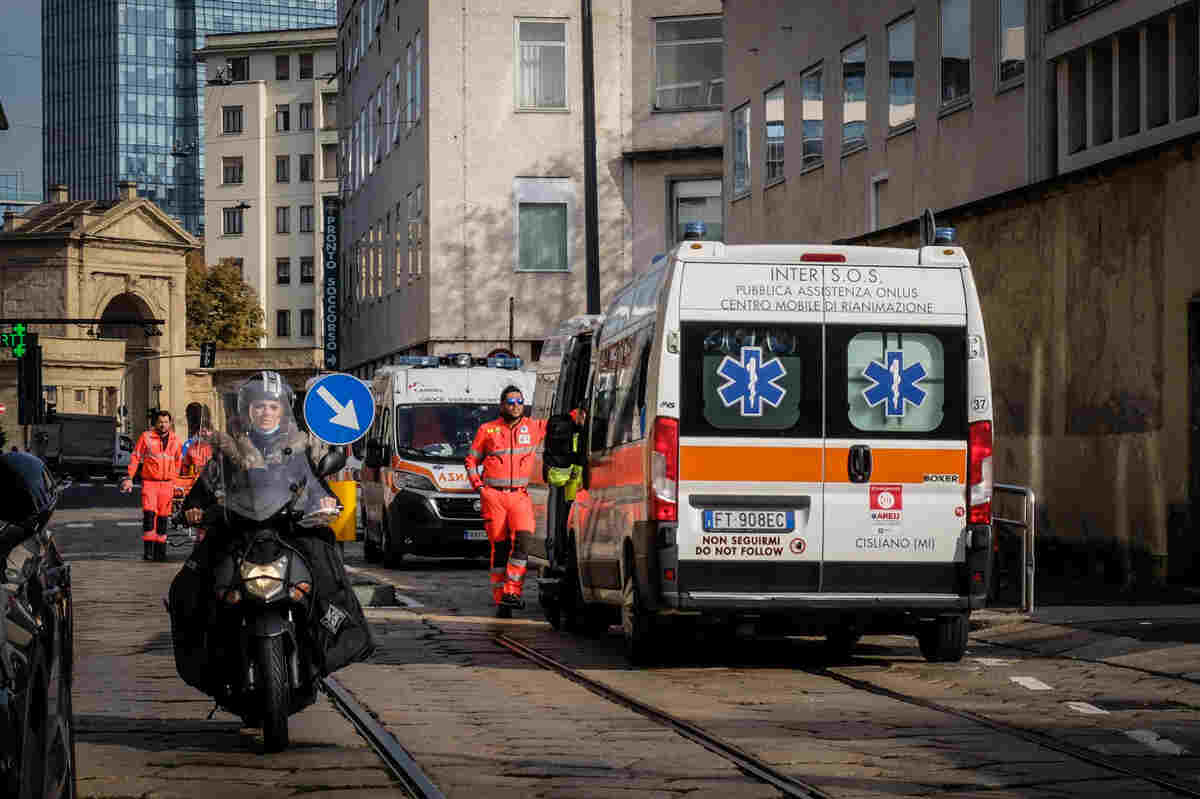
{"x":1085,"y":285}
{"x":946,"y":159}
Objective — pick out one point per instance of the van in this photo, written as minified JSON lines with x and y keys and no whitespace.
{"x":780,"y":439}
{"x":417,"y":497}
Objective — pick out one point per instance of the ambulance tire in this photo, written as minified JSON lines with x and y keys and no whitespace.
{"x":637,"y":626}
{"x":945,"y":639}
{"x":840,"y":642}
{"x":392,"y":556}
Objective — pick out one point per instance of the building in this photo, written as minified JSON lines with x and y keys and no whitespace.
{"x":123,"y":98}
{"x":16,"y":195}
{"x":463,"y":195}
{"x":271,"y":153}
{"x":1058,"y":137}
{"x":89,"y":260}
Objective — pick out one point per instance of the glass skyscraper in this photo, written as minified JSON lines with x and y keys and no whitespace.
{"x":123,"y":97}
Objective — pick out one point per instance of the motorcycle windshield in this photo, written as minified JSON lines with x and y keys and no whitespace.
{"x":259,"y":492}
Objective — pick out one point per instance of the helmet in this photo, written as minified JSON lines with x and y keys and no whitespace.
{"x":265,"y":385}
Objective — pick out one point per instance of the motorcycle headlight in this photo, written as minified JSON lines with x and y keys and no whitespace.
{"x":264,"y":580}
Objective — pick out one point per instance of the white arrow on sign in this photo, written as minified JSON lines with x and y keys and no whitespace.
{"x":343,"y":415}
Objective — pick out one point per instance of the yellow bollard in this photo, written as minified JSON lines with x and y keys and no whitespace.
{"x":345,"y":526}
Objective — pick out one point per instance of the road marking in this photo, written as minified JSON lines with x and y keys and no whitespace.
{"x":128,"y":524}
{"x":79,"y":524}
{"x":110,"y":485}
{"x":408,"y":602}
{"x":994,"y":661}
{"x":1032,"y":683}
{"x":1156,"y":742}
{"x":1087,"y":709}
{"x":81,"y":483}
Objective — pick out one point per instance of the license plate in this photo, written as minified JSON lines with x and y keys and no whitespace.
{"x":783,"y":521}
{"x":475,"y":535}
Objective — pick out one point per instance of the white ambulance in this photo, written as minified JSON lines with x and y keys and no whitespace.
{"x":785,"y":438}
{"x":416,"y":495}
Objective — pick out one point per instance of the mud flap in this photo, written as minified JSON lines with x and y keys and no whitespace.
{"x":645,"y":563}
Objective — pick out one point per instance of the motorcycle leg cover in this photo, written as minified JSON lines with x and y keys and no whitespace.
{"x":193,"y":611}
{"x":339,"y":629}
{"x":494,"y":517}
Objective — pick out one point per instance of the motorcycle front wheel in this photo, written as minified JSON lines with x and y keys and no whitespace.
{"x":275,"y":691}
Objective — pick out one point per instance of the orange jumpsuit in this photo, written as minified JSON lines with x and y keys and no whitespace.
{"x":505,"y":452}
{"x":160,"y":466}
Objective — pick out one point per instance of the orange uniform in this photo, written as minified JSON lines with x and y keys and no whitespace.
{"x":502,"y":452}
{"x":160,"y":466}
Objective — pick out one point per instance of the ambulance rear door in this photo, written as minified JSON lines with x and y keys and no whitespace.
{"x":896,"y":431}
{"x":750,"y":440}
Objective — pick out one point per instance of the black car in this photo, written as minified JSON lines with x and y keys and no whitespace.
{"x":37,"y":729}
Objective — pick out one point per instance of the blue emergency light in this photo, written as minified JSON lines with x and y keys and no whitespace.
{"x":417,"y":360}
{"x":504,"y":362}
{"x":459,"y":359}
{"x":944,"y":235}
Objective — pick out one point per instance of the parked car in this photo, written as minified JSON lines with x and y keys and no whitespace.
{"x":37,"y":727}
{"x":81,"y":444}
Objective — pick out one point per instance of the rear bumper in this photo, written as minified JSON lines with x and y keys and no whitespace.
{"x":772,"y":603}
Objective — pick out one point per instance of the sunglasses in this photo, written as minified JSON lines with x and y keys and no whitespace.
{"x":514,"y":401}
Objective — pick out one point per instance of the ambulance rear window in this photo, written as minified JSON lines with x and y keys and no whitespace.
{"x":751,"y":380}
{"x":886,"y":382}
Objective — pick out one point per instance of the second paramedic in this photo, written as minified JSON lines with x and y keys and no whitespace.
{"x":499,"y":465}
{"x":159,"y":452}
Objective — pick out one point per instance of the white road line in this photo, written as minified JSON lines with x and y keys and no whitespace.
{"x":408,"y":602}
{"x":1032,"y":683}
{"x":128,"y":524}
{"x":1156,"y":742}
{"x":79,"y":524}
{"x":82,"y":484}
{"x":110,"y":485}
{"x":994,"y":661}
{"x":1087,"y":709}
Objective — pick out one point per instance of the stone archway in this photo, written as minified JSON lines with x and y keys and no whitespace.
{"x":143,"y":375}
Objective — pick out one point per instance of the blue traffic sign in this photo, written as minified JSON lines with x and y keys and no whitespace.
{"x":339,"y":409}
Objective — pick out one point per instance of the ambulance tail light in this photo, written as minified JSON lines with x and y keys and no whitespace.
{"x":979,"y":473}
{"x":664,"y":471}
{"x":823,"y":257}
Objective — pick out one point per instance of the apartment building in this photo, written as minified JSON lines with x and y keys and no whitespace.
{"x":463,"y":196}
{"x":1058,"y":137}
{"x":271,"y":155}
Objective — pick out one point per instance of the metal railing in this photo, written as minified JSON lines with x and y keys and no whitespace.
{"x":1028,"y":526}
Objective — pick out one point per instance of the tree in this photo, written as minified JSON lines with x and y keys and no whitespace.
{"x":221,"y":306}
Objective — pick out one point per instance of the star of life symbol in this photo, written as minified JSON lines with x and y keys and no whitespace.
{"x":894,"y":384}
{"x":751,"y":382}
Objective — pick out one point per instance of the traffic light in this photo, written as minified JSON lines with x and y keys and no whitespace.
{"x":208,"y":354}
{"x":29,"y":382}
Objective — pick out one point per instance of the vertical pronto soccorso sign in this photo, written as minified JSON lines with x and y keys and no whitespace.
{"x":331,"y":290}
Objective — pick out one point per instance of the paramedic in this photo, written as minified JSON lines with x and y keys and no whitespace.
{"x":504,"y":448}
{"x":159,"y":452}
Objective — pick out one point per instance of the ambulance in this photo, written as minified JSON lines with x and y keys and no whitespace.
{"x":791,"y":439}
{"x":417,"y":497}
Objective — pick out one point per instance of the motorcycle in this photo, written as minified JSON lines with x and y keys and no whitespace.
{"x":260,"y":652}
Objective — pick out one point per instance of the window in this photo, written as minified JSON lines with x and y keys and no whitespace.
{"x":283,"y":219}
{"x":416,"y":230}
{"x":283,"y":271}
{"x":306,"y":66}
{"x":233,"y":221}
{"x":283,"y":118}
{"x":380,"y":131}
{"x":541,"y":65}
{"x":854,"y":97}
{"x":688,"y":66}
{"x":231,"y":117}
{"x":543,"y":237}
{"x":306,"y":269}
{"x":697,"y":201}
{"x":712,"y":350}
{"x":397,"y":106}
{"x":79,"y":396}
{"x":415,"y":97}
{"x":283,"y":323}
{"x":283,"y":168}
{"x":773,"y":119}
{"x":306,"y":116}
{"x":812,"y":118}
{"x":328,"y":111}
{"x":741,"y":150}
{"x":901,"y":89}
{"x":306,"y":219}
{"x":329,"y":162}
{"x":232,"y":169}
{"x":956,"y":50}
{"x":239,"y":68}
{"x":933,"y":361}
{"x":1012,"y":40}
{"x":306,"y":322}
{"x":282,"y":67}
{"x":306,"y":168}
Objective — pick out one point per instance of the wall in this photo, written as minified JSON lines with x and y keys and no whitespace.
{"x":1085,"y":283}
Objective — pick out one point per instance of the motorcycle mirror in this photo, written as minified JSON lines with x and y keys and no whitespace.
{"x":332,"y":461}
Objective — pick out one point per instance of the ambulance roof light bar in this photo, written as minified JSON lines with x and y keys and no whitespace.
{"x":458,"y":359}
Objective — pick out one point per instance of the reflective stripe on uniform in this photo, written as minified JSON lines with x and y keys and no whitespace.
{"x":501,"y":482}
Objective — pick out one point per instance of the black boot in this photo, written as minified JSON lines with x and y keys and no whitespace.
{"x":147,"y":550}
{"x":160,"y":551}
{"x":503,"y":612}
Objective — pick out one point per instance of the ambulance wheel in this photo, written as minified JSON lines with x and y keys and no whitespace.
{"x":637,"y":625}
{"x":552,"y":610}
{"x":392,"y":557}
{"x":944,"y":640}
{"x":840,"y":642}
